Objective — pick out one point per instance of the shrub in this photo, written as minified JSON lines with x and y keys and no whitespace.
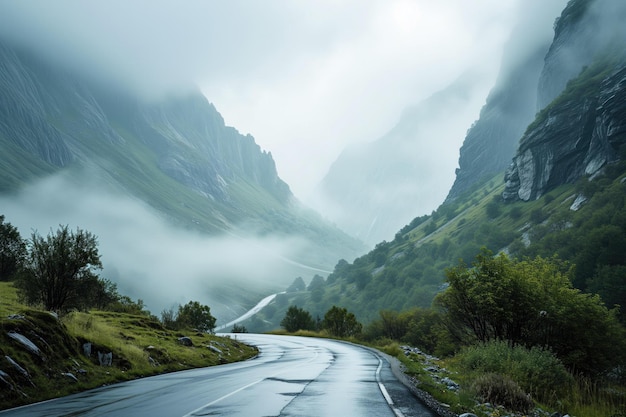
{"x":536,"y":370}
{"x":501,"y":390}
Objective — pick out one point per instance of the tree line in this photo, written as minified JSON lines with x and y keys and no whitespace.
{"x":59,"y":272}
{"x":337,"y":322}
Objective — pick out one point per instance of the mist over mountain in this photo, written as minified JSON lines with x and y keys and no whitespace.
{"x":582,"y":128}
{"x":182,"y":203}
{"x":563,"y":193}
{"x":374,"y":189}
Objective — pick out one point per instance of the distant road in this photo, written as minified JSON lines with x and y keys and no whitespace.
{"x":249,"y":313}
{"x":292,"y":376}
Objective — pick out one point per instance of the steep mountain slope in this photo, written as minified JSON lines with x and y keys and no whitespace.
{"x":511,"y":105}
{"x":582,"y":129}
{"x":373,"y":189}
{"x":565,"y":195}
{"x":177,"y":155}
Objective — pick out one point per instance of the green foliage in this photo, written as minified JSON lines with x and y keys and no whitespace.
{"x":583,"y":87}
{"x":237,"y":328}
{"x":503,"y":391}
{"x":393,"y":324}
{"x":196,"y":316}
{"x":59,"y":270}
{"x":12,"y":250}
{"x":538,"y":371}
{"x":124,"y":304}
{"x":532,"y":303}
{"x":494,"y":208}
{"x":427,"y":331}
{"x":140,"y":346}
{"x":341,"y":323}
{"x":297,"y":285}
{"x":316,"y":282}
{"x":296,"y":319}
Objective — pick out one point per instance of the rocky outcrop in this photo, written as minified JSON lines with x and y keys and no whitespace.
{"x":584,"y":28}
{"x":180,"y":128}
{"x":491,"y":141}
{"x":573,"y":137}
{"x":584,"y":80}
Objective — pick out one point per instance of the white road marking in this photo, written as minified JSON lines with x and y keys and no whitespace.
{"x":395,"y":410}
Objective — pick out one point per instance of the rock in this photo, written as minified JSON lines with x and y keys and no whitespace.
{"x":467,"y":415}
{"x":214,"y":349}
{"x":70,"y":376}
{"x":17,"y":367}
{"x":105,"y":359}
{"x":453,"y":386}
{"x":185,"y":341}
{"x":573,"y":138}
{"x":581,"y":126}
{"x":30,"y":346}
{"x":580,"y":200}
{"x":87,"y":349}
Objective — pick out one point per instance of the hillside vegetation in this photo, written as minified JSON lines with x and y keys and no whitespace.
{"x":49,"y":359}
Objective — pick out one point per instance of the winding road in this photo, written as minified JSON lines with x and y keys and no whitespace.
{"x":292,"y":376}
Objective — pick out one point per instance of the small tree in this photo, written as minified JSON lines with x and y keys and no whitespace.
{"x":193,"y":314}
{"x":12,"y":250}
{"x":532,"y":303}
{"x":169,"y":318}
{"x":59,"y":270}
{"x":239,"y":328}
{"x":296,"y":319}
{"x":339,"y":322}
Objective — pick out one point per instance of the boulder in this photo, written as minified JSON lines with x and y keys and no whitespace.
{"x":185,"y":341}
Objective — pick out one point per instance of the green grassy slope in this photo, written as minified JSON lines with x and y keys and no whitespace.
{"x":140,"y":347}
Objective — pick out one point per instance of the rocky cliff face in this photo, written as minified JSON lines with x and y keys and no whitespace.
{"x":583,"y":128}
{"x":577,"y":136}
{"x":374,"y":189}
{"x":177,"y":155}
{"x":57,"y":119}
{"x":493,"y":138}
{"x":511,"y":105}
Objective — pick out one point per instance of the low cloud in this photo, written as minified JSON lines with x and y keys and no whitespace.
{"x":304,"y":78}
{"x":153,"y":260}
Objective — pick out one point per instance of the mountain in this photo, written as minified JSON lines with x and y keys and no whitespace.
{"x":373,"y":189}
{"x":583,"y":129}
{"x":174,"y":154}
{"x":510,"y":107}
{"x":564,"y":195}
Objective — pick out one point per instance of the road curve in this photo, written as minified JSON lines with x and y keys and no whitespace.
{"x":292,"y":376}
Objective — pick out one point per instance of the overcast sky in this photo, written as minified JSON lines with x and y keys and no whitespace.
{"x":305,"y":78}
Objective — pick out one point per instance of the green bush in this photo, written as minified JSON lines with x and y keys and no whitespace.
{"x":536,"y":370}
{"x":501,"y":390}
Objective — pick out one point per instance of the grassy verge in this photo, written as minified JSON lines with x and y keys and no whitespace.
{"x":454,"y":386}
{"x":579,"y":397}
{"x":58,"y":365}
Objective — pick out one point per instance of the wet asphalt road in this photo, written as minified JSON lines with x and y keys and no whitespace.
{"x":292,"y":376}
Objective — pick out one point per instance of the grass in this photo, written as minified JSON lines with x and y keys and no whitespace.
{"x":582,"y":398}
{"x":139,"y":344}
